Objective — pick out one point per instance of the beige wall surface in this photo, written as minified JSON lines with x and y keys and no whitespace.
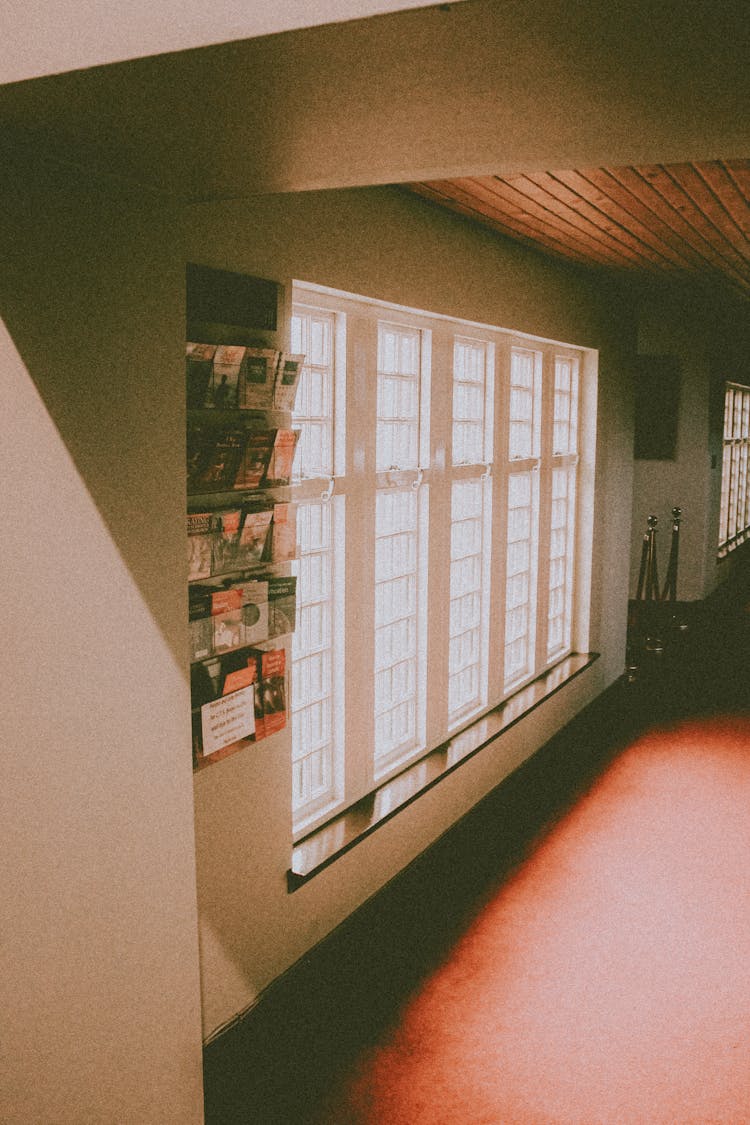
{"x":480,"y":87}
{"x":101,"y":1017}
{"x":711,"y":344}
{"x":658,"y":486}
{"x":49,"y":38}
{"x":386,"y":244}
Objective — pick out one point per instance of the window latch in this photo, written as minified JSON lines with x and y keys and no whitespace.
{"x":329,"y":491}
{"x":418,"y":479}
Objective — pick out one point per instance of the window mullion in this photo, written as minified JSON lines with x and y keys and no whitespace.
{"x":438,"y":562}
{"x":522,"y":502}
{"x":545,"y":507}
{"x":499,"y":486}
{"x":361,"y":399}
{"x":401,"y":544}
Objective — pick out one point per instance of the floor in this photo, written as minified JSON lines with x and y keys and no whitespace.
{"x":575,"y":951}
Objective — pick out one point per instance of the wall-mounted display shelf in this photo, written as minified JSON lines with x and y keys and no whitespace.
{"x":241,"y":521}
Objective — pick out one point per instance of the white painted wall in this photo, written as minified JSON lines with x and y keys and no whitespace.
{"x":385,"y":243}
{"x":101,"y":1019}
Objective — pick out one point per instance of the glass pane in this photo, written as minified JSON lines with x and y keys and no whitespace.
{"x":469,"y":365}
{"x":565,"y":410}
{"x":466,"y":675}
{"x":522,"y":443}
{"x":312,"y":335}
{"x":397,"y":439}
{"x":520,"y":580}
{"x":313,"y":775}
{"x":561,"y":561}
{"x":396,"y":541}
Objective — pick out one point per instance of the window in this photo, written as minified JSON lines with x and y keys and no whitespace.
{"x":398,"y":668}
{"x":314,"y":747}
{"x":399,"y":665}
{"x":313,"y":335}
{"x":437,"y":485}
{"x":564,"y":462}
{"x":317,"y":698}
{"x":734,"y":514}
{"x":467,"y":657}
{"x":470,"y":533}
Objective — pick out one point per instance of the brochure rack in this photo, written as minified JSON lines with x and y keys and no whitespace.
{"x":241,"y":519}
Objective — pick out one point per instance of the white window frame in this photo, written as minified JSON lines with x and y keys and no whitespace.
{"x":479,"y":471}
{"x":734,"y":510}
{"x":357,"y":482}
{"x":330,"y":491}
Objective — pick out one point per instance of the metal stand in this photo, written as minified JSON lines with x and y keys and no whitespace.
{"x":647,"y":619}
{"x":653,"y":641}
{"x":669,"y":593}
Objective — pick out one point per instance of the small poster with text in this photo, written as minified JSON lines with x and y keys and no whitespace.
{"x":228,"y":719}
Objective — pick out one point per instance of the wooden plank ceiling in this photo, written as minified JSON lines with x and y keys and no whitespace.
{"x":687,"y":221}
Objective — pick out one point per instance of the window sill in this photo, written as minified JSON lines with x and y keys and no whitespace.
{"x":728,"y":548}
{"x":325,"y":844}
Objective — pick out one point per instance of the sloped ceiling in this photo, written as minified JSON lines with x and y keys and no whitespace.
{"x":478,"y":88}
{"x":614,"y":135}
{"x":53,"y":36}
{"x":686,"y":221}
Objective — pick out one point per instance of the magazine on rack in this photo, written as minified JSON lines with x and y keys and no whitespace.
{"x":227,"y":617}
{"x":224,"y":618}
{"x":282,"y":605}
{"x":270,"y":714}
{"x":284,"y":533}
{"x":258,"y":377}
{"x":224,"y":702}
{"x":225,"y":539}
{"x":282,"y":459}
{"x":200,"y":535}
{"x":224,"y":388}
{"x":255,"y":612}
{"x":287,"y":381}
{"x":240,"y":538}
{"x":214,"y":456}
{"x":258,"y":451}
{"x":201,"y":629}
{"x":198,"y":371}
{"x":198,"y":436}
{"x":253,"y":536}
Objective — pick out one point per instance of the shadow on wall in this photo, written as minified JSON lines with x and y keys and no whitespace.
{"x":92,"y":294}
